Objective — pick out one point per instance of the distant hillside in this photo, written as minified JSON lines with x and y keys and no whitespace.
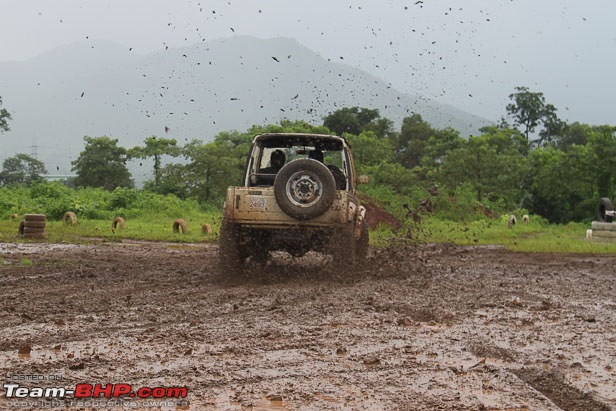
{"x":100,"y":88}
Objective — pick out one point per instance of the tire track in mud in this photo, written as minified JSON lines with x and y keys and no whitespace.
{"x":552,"y":384}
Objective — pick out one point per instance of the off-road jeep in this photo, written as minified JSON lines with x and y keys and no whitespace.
{"x":298,"y":194}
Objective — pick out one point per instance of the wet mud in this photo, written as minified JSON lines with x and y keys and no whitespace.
{"x":430,"y":327}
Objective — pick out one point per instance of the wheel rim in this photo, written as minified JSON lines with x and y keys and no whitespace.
{"x":304,"y":189}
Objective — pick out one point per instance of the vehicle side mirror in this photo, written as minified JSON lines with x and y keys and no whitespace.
{"x":363,"y":179}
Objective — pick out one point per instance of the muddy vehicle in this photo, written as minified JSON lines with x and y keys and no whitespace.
{"x":298,"y":194}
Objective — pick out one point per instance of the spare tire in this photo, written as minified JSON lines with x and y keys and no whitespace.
{"x":304,"y":188}
{"x":604,"y":205}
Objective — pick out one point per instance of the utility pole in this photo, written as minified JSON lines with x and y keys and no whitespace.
{"x":34,"y":148}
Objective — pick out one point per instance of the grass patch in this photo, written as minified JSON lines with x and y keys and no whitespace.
{"x":152,"y":227}
{"x":536,"y":236}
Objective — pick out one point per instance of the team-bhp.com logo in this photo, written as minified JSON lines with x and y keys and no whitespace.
{"x":88,"y":392}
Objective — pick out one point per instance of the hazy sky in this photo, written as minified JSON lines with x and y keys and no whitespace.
{"x":470,"y":53}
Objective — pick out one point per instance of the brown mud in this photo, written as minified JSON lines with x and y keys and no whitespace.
{"x":434,"y":327}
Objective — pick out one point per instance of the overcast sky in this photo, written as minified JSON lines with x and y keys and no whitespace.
{"x":470,"y":54}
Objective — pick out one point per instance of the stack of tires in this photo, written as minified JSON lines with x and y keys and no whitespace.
{"x":33,"y":226}
{"x":603,"y":229}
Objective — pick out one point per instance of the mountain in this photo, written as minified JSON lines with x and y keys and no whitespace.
{"x":98,"y":88}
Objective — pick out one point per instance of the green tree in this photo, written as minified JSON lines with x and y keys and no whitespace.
{"x":21,"y":169}
{"x":156,"y":148}
{"x":505,"y":138}
{"x":562,"y":185}
{"x":529,"y":110}
{"x":355,"y":120}
{"x":553,"y":127}
{"x":369,"y":149}
{"x":213,"y":167}
{"x":493,"y":166}
{"x":574,"y":134}
{"x":102,"y":163}
{"x":174,"y":179}
{"x":285,"y":126}
{"x":382,"y":127}
{"x":567,"y":183}
{"x":402,"y":180}
{"x":439,"y":144}
{"x":410,"y":143}
{"x":602,"y":152}
{"x":5,"y":116}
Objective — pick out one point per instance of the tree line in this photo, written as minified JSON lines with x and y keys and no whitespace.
{"x":529,"y":160}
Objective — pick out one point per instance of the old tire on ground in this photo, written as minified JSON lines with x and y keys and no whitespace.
{"x":69,"y":218}
{"x":604,"y":234}
{"x":118,"y":222}
{"x":35,"y":224}
{"x":304,"y":188}
{"x":229,"y":254}
{"x":22,"y":225}
{"x":604,"y":205}
{"x":35,"y":235}
{"x":180,"y":224}
{"x":602,"y":226}
{"x":361,"y":246}
{"x":35,"y":217}
{"x":28,"y":230}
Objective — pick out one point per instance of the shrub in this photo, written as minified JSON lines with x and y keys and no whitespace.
{"x":122,"y":197}
{"x":53,"y":199}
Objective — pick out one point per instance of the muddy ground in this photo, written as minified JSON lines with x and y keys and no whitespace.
{"x":434,"y":327}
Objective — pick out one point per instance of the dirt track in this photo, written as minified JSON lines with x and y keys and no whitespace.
{"x":438,"y":327}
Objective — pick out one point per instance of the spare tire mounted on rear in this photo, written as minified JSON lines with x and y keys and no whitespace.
{"x":304,"y":188}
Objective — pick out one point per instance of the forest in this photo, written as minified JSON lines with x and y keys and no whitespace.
{"x":529,"y":162}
